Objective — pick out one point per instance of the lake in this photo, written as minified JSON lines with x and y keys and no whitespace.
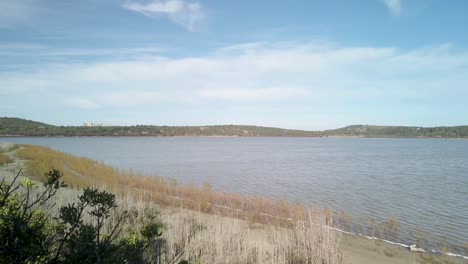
{"x":421,"y":182}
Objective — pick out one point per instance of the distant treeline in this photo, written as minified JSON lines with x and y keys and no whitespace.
{"x":400,"y":131}
{"x":22,"y":127}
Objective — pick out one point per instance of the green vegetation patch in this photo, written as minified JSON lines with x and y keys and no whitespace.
{"x":21,"y":127}
{"x":32,"y":235}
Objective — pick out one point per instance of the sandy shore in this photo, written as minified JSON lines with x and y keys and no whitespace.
{"x":366,"y":251}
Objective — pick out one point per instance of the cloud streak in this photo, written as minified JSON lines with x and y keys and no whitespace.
{"x":257,"y":94}
{"x":394,"y":6}
{"x":189,"y":15}
{"x":43,"y":51}
{"x":82,"y":103}
{"x":274,"y":78}
{"x":14,"y":12}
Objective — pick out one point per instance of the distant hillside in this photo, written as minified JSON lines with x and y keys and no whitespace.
{"x":13,"y":122}
{"x":400,"y":131}
{"x":18,"y":126}
{"x":22,"y":127}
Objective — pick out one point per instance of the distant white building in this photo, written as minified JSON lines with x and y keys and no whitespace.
{"x":89,"y":124}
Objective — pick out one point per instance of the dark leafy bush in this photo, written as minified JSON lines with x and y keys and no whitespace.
{"x":30,"y":235}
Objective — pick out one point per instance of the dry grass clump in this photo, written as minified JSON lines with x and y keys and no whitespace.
{"x":5,"y":147}
{"x":207,"y":239}
{"x":213,"y":238}
{"x":310,"y":241}
{"x":216,"y":239}
{"x":4,"y":159}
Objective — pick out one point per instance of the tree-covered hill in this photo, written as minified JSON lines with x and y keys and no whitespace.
{"x":15,"y":123}
{"x":22,"y":127}
{"x":400,"y":131}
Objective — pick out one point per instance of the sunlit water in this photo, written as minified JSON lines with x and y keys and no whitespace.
{"x":421,"y":182}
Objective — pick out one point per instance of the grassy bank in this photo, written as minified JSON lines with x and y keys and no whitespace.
{"x":4,"y":159}
{"x":4,"y":148}
{"x":201,"y":237}
{"x":83,"y":172}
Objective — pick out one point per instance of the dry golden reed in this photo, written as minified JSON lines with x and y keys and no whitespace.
{"x":201,"y":237}
{"x":80,"y":172}
{"x":4,"y":159}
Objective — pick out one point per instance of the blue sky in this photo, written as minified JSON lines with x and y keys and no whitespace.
{"x":294,"y":64}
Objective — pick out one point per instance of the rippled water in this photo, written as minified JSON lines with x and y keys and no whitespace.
{"x":421,"y":182}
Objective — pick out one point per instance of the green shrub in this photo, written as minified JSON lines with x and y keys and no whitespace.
{"x":30,"y":235}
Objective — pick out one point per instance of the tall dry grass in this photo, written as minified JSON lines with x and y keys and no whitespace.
{"x":213,"y":238}
{"x":289,"y":233}
{"x":4,"y":159}
{"x":216,"y":239}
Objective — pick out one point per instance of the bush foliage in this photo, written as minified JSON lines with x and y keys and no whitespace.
{"x":31,"y":235}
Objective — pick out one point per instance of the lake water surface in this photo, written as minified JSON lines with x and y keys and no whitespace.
{"x":421,"y":182}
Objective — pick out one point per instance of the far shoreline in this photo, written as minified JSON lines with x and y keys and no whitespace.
{"x":224,"y":136}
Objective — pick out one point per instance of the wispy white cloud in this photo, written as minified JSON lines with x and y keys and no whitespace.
{"x":315,"y":79}
{"x":190,"y":15}
{"x":14,"y":12}
{"x":39,"y":50}
{"x":256,"y":94}
{"x":394,"y":6}
{"x":82,"y":103}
